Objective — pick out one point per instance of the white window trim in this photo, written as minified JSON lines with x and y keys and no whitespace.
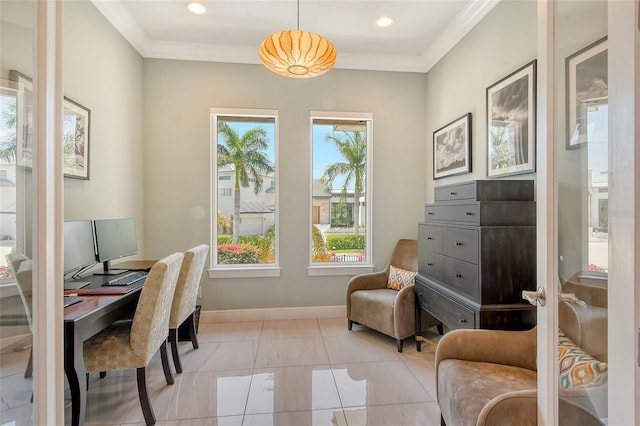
{"x":324,"y":269}
{"x":240,"y":271}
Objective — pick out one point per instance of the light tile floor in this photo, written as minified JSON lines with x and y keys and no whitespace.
{"x":294,"y":372}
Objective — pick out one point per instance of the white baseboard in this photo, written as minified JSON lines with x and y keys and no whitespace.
{"x":305,"y":312}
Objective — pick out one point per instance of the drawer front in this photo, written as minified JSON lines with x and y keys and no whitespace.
{"x":465,"y":191}
{"x":464,"y":213}
{"x":462,"y":276}
{"x":429,"y":238}
{"x":461,"y":244}
{"x":431,"y":265}
{"x":453,"y":314}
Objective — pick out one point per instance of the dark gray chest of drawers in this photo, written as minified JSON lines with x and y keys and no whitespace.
{"x":477,"y":252}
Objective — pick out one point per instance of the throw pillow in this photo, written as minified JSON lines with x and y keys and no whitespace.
{"x":577,"y":368}
{"x":399,"y":278}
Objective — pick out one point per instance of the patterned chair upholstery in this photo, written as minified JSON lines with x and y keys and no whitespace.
{"x":184,"y":299}
{"x":392,"y":312}
{"x":132,"y":344}
{"x":16,"y":310}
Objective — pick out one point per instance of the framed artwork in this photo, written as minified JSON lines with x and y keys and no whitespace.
{"x":75,"y":130}
{"x":75,"y":139}
{"x":452,"y":148}
{"x":24,"y":118}
{"x":511,"y":107}
{"x":587,"y":88}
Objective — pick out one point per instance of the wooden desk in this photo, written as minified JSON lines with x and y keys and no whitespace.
{"x":81,"y":321}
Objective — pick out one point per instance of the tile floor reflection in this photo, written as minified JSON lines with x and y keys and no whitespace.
{"x":267,"y":373}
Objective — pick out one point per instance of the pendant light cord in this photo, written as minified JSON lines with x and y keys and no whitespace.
{"x":298,"y":15}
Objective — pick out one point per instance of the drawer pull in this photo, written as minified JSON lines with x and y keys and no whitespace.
{"x":462,"y":320}
{"x":430,"y":213}
{"x":429,"y":238}
{"x":458,"y":243}
{"x":458,"y":275}
{"x":453,"y":193}
{"x":469,"y":213}
{"x":429,"y":264}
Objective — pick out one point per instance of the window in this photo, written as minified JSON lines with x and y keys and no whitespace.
{"x":340,"y":191}
{"x":244,"y":207}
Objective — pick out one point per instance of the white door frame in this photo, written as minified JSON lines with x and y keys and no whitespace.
{"x":48,"y":372}
{"x":624,"y":214}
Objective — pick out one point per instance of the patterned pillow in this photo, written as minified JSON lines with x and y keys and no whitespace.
{"x":577,"y":368}
{"x":399,"y":278}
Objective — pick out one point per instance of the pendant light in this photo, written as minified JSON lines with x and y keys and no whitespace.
{"x":297,"y":54}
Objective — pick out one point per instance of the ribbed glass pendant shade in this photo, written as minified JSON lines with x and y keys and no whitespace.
{"x":297,"y":54}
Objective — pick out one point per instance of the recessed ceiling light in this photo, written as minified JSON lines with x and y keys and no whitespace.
{"x":384,"y":22}
{"x":196,"y":7}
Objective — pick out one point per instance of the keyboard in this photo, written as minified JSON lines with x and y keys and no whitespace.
{"x":75,"y":285}
{"x":71,"y":300}
{"x":127,"y":279}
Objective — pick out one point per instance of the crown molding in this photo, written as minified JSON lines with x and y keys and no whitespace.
{"x":118,"y":16}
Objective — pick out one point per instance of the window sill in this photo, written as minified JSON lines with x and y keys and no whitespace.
{"x":323,"y":271}
{"x":258,"y":272}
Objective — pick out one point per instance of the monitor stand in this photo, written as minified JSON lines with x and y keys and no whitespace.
{"x":106,"y":269}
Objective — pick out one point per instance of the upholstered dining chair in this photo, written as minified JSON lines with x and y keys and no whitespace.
{"x":132,"y":344}
{"x":385,"y":300}
{"x":22,"y":271}
{"x":183,"y":309}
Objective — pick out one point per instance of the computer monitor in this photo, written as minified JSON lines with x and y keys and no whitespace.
{"x":115,"y":238}
{"x":79,"y":250}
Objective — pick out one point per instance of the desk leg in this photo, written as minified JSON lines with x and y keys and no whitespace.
{"x":418,"y":310}
{"x":76,"y":374}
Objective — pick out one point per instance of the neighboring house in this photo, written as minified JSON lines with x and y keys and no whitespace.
{"x":329,"y":209}
{"x":598,"y":201}
{"x":257,"y":212}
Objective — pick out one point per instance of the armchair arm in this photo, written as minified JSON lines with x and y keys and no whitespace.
{"x":369,"y":281}
{"x":404,"y":312}
{"x":516,"y":348}
{"x":514,"y":408}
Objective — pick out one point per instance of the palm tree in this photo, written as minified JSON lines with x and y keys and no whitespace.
{"x":246,"y":155}
{"x":8,"y":147}
{"x":353,"y":148}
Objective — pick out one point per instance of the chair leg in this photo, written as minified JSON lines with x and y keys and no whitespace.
{"x":173,"y":341}
{"x":350,"y":325}
{"x":440,"y":329}
{"x":29,"y":371}
{"x":103,"y":374}
{"x":165,"y":363}
{"x":399,"y":342}
{"x":192,"y":330}
{"x":442,"y":422}
{"x":143,"y":394}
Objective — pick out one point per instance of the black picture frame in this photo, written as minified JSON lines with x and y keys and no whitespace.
{"x":452,"y":148}
{"x":76,"y":131}
{"x":587,"y":86}
{"x":511,"y":123}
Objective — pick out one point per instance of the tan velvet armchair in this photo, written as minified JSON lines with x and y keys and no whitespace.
{"x":392,"y":312}
{"x":489,"y":377}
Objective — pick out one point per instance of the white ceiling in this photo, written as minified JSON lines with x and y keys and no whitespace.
{"x":231,"y":30}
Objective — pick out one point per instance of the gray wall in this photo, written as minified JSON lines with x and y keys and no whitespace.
{"x":502,"y":42}
{"x":103,"y":72}
{"x":178,"y":95}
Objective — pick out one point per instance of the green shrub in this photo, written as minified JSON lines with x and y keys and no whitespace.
{"x":345,"y":242}
{"x":225,"y":239}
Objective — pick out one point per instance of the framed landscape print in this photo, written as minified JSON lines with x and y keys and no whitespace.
{"x":452,"y":148}
{"x":75,"y":139}
{"x":511,"y":106}
{"x":587,"y":88}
